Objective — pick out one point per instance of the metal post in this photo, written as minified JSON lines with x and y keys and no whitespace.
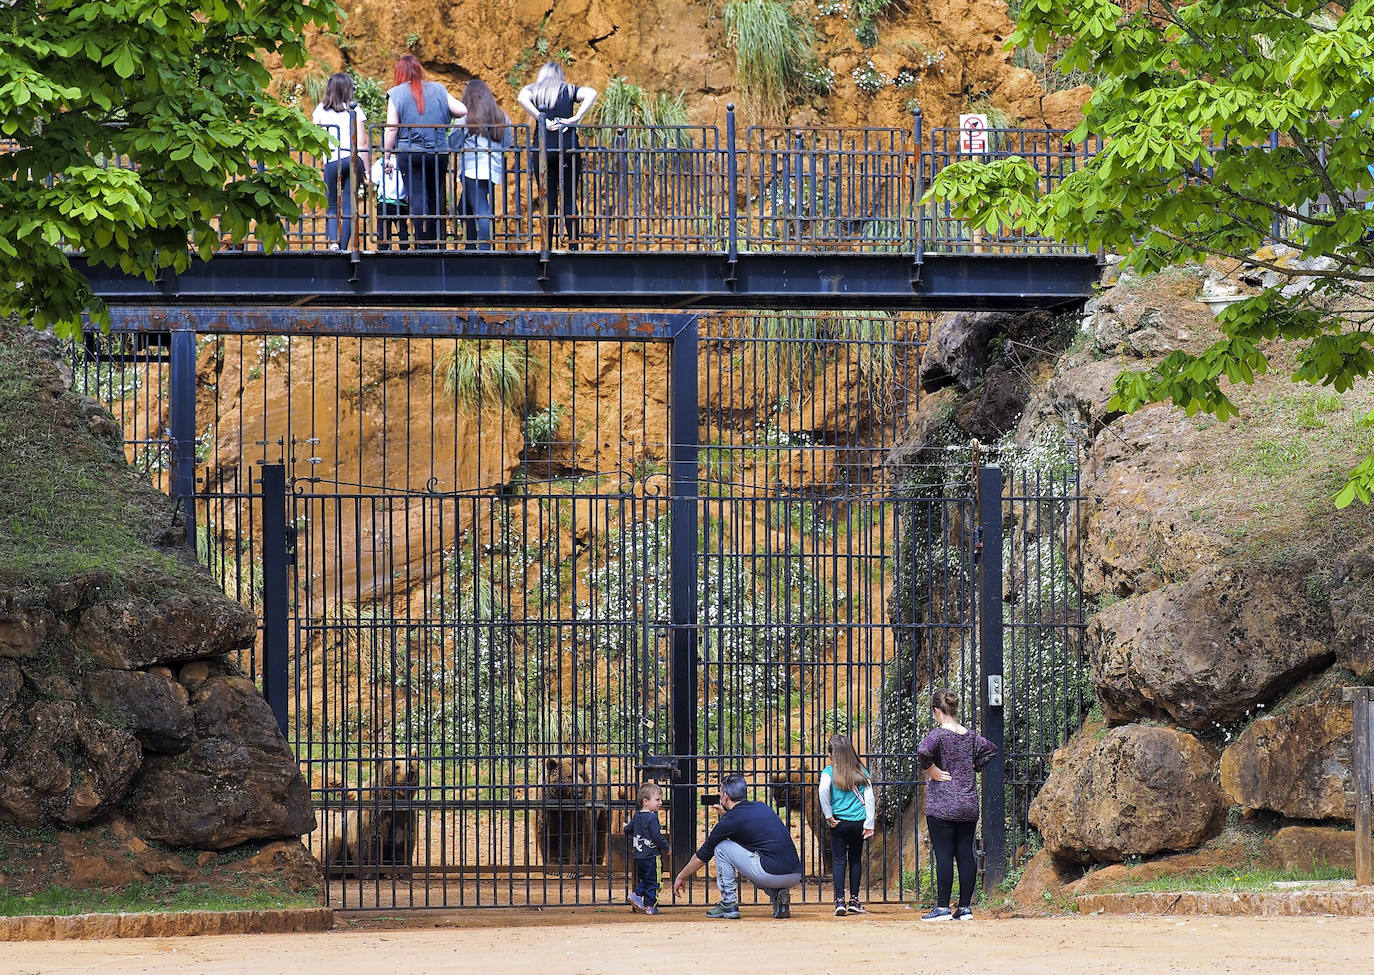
{"x":920,"y":243}
{"x":682,"y":560}
{"x":990,"y":657}
{"x":1361,"y":760}
{"x":275,"y":651}
{"x":183,"y":422}
{"x":356,"y":181}
{"x":731,"y":192}
{"x":542,"y":168}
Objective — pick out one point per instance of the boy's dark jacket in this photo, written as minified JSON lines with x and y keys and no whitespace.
{"x":646,"y":838}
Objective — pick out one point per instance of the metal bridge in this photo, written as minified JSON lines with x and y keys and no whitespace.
{"x":660,"y":218}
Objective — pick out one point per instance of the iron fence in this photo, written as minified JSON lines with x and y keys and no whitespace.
{"x":502,"y":581}
{"x":647,"y":189}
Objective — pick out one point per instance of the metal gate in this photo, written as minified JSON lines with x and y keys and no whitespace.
{"x":503,"y":581}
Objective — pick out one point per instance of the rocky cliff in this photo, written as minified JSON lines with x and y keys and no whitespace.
{"x":131,"y":748}
{"x":941,"y":54}
{"x":1233,"y":602}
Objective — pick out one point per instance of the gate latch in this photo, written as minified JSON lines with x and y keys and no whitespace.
{"x":994,"y":690}
{"x":660,"y":767}
{"x":290,"y":545}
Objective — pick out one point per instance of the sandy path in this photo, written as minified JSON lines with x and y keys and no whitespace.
{"x":597,"y":941}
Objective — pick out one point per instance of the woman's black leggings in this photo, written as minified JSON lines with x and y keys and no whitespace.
{"x":847,"y":847}
{"x":952,"y":840}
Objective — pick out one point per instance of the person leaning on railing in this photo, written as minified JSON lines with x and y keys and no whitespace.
{"x":342,"y":172}
{"x":560,"y":107}
{"x":418,"y":113}
{"x":482,"y":165}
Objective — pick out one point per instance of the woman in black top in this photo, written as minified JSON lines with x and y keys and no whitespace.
{"x":560,"y":107}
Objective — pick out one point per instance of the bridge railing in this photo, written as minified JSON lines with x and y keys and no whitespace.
{"x":694,"y":189}
{"x":1045,"y":149}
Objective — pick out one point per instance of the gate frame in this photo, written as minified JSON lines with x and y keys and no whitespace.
{"x":681,"y":333}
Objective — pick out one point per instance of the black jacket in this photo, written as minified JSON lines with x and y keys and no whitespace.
{"x":646,"y":838}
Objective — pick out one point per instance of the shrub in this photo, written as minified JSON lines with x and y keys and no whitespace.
{"x":484,"y":373}
{"x":774,"y":48}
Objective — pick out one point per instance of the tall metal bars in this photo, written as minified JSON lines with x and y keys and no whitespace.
{"x":669,"y":559}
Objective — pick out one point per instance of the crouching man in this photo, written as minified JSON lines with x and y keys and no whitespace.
{"x":750,"y":841}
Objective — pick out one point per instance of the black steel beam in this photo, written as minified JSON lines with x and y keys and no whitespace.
{"x":401,"y":322}
{"x":466,"y":279}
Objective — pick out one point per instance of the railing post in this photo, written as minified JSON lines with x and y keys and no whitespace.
{"x":1362,"y":773}
{"x":731,"y":193}
{"x":356,"y":181}
{"x":918,"y":256}
{"x":795,"y":172}
{"x":183,"y":429}
{"x":275,"y":651}
{"x":542,"y":167}
{"x":990,"y":658}
{"x":682,"y":561}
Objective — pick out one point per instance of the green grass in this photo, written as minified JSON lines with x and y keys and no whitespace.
{"x":1272,"y":457}
{"x":69,"y":503}
{"x":479,"y":373}
{"x":774,"y":46}
{"x":1227,"y":880}
{"x":153,"y":896}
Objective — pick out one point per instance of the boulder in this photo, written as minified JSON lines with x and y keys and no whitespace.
{"x":155,"y":708}
{"x":133,"y":632}
{"x":1206,"y":650}
{"x":60,"y":765}
{"x":1135,"y":533}
{"x":1136,"y":790}
{"x":1182,"y":864}
{"x":1044,"y":875}
{"x":24,"y":629}
{"x":1308,"y":847}
{"x":957,"y":351}
{"x":1352,"y":611}
{"x":237,"y":782}
{"x":1081,"y":392}
{"x":1295,"y":763}
{"x":286,"y":862}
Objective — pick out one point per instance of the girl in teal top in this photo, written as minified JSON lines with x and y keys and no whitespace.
{"x":846,"y":797}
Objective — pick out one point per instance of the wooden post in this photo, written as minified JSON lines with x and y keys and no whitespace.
{"x":1361,"y":758}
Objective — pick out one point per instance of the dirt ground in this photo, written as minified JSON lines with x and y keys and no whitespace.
{"x":605,"y":940}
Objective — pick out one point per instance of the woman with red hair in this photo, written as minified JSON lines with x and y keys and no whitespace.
{"x":418,"y":113}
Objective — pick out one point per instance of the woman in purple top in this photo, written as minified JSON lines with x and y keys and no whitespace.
{"x":950,"y":755}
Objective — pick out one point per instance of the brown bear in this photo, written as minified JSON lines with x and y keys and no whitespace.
{"x":795,"y":789}
{"x":380,"y":825}
{"x":567,"y":828}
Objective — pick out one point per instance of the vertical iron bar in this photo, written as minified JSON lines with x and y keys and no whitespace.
{"x":920,"y":242}
{"x":275,"y":648}
{"x":183,"y":420}
{"x":731,"y":188}
{"x":682,"y":558}
{"x":990,"y":656}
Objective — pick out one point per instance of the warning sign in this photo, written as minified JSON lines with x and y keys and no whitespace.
{"x":973,"y":134}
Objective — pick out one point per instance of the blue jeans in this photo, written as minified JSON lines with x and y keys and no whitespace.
{"x":733,"y":860}
{"x":339,"y":189}
{"x":477,"y":212}
{"x":646,"y":879}
{"x":425,"y":174}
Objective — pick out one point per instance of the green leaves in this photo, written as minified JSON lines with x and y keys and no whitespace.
{"x":144,"y":128}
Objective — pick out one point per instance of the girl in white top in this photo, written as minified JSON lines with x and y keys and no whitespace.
{"x":848,"y":805}
{"x":487,"y":137}
{"x":347,"y":127}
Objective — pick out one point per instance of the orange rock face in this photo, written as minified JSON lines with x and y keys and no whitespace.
{"x":955,"y":48}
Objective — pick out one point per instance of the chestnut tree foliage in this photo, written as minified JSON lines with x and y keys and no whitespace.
{"x":1228,"y":126}
{"x":141,"y":132}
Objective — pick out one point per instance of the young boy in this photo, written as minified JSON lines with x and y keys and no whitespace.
{"x":646,"y":842}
